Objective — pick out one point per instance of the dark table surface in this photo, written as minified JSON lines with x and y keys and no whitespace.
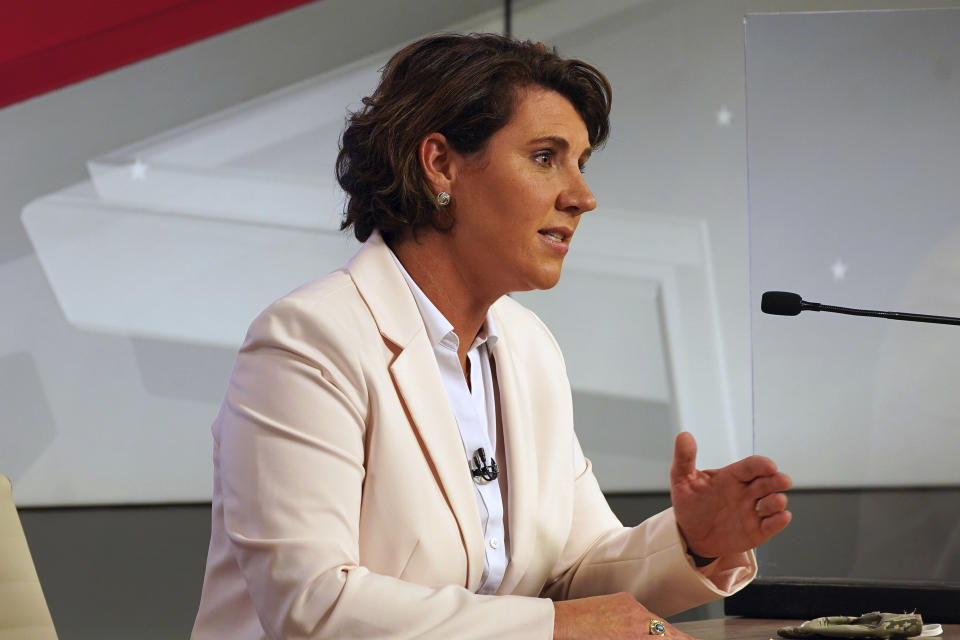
{"x":758,"y":629}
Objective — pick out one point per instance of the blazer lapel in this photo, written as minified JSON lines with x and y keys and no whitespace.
{"x":521,"y":462}
{"x":417,"y":377}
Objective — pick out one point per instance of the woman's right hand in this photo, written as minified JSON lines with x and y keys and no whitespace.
{"x":613,"y":617}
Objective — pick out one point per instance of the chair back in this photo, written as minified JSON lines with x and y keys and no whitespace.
{"x":23,"y":609}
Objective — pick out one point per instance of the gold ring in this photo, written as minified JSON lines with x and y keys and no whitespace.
{"x":657,"y":628}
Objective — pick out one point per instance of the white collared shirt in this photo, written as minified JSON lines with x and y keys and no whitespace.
{"x":475,"y":409}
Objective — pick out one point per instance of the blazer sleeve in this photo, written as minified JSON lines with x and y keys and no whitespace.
{"x":649,"y":560}
{"x":291,"y":471}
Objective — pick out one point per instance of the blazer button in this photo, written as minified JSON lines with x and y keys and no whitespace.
{"x":494,"y":543}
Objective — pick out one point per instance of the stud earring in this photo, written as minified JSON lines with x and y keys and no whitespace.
{"x":443,"y":198}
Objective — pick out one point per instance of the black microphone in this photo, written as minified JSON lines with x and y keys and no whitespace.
{"x":784,"y":303}
{"x":480,"y":468}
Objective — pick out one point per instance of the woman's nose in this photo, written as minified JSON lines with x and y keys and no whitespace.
{"x":577,"y":198}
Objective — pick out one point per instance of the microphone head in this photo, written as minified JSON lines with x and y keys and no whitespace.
{"x":781,"y":303}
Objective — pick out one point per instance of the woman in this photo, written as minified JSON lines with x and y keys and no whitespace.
{"x":395,"y":455}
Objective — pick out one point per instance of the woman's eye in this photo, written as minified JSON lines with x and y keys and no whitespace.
{"x":583,"y":168}
{"x":543,"y":158}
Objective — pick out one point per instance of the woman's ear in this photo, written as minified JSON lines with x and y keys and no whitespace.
{"x":437,"y":160}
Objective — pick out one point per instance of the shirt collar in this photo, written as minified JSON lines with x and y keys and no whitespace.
{"x":439,"y":330}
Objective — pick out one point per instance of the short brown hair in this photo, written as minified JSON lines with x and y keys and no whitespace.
{"x":464,"y":87}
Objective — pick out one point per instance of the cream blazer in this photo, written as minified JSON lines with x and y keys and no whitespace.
{"x":342,"y":502}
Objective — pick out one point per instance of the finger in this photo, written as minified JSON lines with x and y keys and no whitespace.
{"x":771,"y":504}
{"x":774,"y":524}
{"x":765,"y":485}
{"x":684,"y":457}
{"x":753,"y":467}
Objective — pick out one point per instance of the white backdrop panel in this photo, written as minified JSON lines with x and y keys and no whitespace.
{"x":854,"y":149}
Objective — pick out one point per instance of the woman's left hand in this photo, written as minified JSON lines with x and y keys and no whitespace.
{"x":728,"y":510}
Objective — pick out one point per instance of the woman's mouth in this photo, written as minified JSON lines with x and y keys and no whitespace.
{"x":555,"y":234}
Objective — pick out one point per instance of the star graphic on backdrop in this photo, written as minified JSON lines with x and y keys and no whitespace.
{"x":138,"y":170}
{"x":839,"y":269}
{"x":724,"y":117}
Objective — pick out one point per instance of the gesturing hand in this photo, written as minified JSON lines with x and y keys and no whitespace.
{"x":728,"y":510}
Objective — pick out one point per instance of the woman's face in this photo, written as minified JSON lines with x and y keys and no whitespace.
{"x":519,"y":200}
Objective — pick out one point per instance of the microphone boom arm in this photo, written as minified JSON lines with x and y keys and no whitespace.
{"x":786,"y":303}
{"x":889,"y":315}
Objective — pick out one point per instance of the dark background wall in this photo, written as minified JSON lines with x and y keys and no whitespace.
{"x":136,"y":572}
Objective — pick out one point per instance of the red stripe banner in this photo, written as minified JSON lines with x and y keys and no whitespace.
{"x":48,"y":44}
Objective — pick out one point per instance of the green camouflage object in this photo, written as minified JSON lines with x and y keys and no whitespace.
{"x":892,"y":626}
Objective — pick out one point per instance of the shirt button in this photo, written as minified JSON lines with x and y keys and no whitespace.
{"x":494,"y":543}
